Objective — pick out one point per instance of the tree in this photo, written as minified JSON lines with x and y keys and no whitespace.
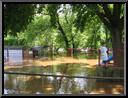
{"x":114,"y":21}
{"x":52,"y":9}
{"x":17,"y":17}
{"x":76,"y":24}
{"x":67,"y":26}
{"x":113,"y":18}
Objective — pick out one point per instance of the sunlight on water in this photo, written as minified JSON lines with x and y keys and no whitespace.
{"x":28,"y":84}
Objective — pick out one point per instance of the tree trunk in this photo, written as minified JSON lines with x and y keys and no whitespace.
{"x":106,"y":33}
{"x":75,"y":46}
{"x":74,"y":50}
{"x":118,"y":52}
{"x":114,"y":23}
{"x":64,"y":35}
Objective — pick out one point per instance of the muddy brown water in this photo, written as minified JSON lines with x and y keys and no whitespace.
{"x":29,"y":84}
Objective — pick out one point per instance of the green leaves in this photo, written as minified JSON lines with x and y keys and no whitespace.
{"x":52,"y":10}
{"x":17,"y":17}
{"x":62,"y":24}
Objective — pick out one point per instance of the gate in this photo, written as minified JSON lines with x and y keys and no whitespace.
{"x":13,"y":54}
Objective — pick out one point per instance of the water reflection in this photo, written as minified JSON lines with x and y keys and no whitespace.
{"x":19,"y":84}
{"x":28,"y":84}
{"x":62,"y":69}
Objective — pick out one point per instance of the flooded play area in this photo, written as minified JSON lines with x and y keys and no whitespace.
{"x":64,"y":75}
{"x":63,"y":49}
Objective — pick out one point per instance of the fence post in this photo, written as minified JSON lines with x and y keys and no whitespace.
{"x":99,"y":57}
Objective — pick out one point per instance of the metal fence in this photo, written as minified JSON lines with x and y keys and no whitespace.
{"x":13,"y":54}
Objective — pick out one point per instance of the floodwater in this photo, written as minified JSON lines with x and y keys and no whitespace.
{"x":63,"y":75}
{"x":35,"y":84}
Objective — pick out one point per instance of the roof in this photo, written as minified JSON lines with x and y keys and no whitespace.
{"x":39,"y":47}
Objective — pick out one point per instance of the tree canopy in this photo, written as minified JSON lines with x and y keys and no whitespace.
{"x":67,"y":25}
{"x":17,"y":17}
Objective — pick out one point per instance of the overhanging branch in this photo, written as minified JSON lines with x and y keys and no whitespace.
{"x":105,"y":20}
{"x":107,"y":11}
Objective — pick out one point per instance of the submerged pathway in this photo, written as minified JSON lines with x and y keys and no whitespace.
{"x":90,"y":63}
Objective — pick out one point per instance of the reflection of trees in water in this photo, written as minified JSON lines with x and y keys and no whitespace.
{"x":74,"y":86}
{"x":9,"y":81}
{"x":64,"y":85}
{"x":109,"y":71}
{"x":89,"y":86}
{"x":34,"y":69}
{"x":34,"y":85}
{"x":56,"y":85}
{"x":69,"y":69}
{"x":46,"y":84}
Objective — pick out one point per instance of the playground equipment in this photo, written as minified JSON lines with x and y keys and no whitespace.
{"x":91,"y":51}
{"x":41,"y":51}
{"x":99,"y":58}
{"x":110,"y":58}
